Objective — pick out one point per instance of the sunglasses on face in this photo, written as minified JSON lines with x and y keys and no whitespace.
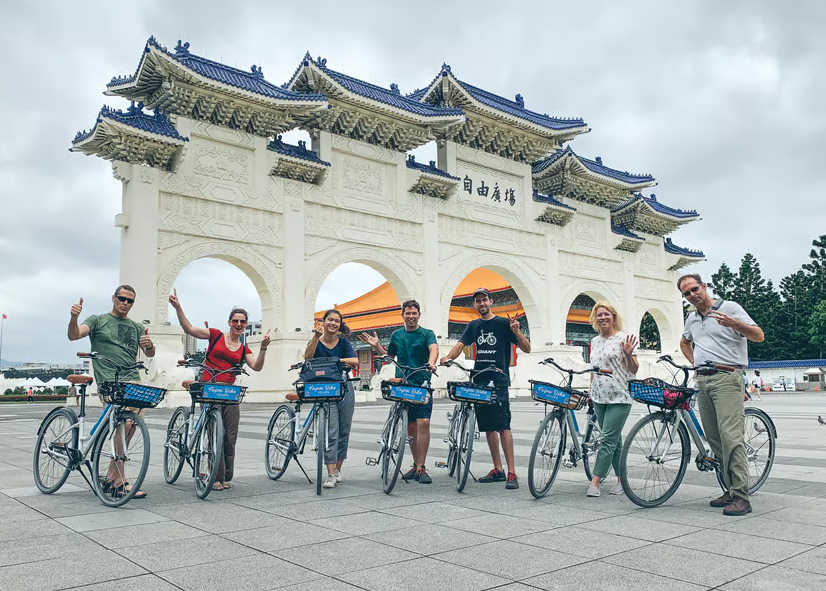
{"x":694,"y":289}
{"x":238,"y":321}
{"x":125,"y":299}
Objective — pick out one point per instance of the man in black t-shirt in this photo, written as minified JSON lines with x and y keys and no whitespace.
{"x":493,"y":337}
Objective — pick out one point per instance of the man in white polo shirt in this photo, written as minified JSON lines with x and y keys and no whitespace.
{"x":719,"y":331}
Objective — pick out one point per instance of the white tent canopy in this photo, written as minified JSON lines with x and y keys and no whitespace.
{"x":54,"y":382}
{"x":813,"y":371}
{"x":33,"y":383}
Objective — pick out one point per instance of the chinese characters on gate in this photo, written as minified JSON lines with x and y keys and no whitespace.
{"x":485,"y":191}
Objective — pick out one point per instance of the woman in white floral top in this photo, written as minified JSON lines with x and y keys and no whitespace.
{"x":611,"y":349}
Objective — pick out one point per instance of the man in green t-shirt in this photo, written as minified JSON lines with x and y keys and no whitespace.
{"x":413,"y":346}
{"x":114,"y":336}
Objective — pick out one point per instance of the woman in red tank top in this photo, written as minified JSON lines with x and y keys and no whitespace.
{"x":226,"y":350}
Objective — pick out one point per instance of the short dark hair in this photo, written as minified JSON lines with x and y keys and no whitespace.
{"x":239,"y":311}
{"x":695,"y":276}
{"x":411,"y":304}
{"x":125,"y":288}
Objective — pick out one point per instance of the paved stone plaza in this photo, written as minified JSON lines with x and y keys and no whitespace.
{"x":279,"y":535}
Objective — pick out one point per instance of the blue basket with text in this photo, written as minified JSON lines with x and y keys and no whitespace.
{"x":404,"y":393}
{"x":656,"y":392}
{"x":558,"y":396}
{"x":131,"y":394}
{"x":320,"y":391}
{"x":216,"y":393}
{"x":470,"y":392}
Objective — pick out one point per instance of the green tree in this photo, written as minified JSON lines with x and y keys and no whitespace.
{"x":649,"y":333}
{"x":723,"y":282}
{"x":816,"y":270}
{"x":817,"y":327}
{"x":794,"y":314}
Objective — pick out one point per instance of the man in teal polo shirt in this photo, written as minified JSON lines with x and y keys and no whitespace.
{"x":413,"y":346}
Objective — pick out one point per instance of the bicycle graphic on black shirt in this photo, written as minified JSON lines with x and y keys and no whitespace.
{"x":486,"y":338}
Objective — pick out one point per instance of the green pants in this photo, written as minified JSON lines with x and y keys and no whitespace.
{"x":720,"y":400}
{"x":611,"y":418}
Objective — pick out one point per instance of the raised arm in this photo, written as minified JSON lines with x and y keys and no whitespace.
{"x":257,"y":363}
{"x":687,"y":349}
{"x":521,"y":340}
{"x":77,"y":332}
{"x":454,"y":352}
{"x":193,"y":331}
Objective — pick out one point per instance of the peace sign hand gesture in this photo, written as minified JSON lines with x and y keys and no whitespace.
{"x":173,"y":299}
{"x":265,"y":342}
{"x":629,"y":344}
{"x":514,"y":322}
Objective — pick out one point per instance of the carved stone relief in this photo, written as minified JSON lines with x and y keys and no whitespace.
{"x":489,"y":237}
{"x":590,"y":267}
{"x":222,"y":162}
{"x":355,"y":226}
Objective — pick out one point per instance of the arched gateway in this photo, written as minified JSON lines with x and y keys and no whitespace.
{"x":206,"y":174}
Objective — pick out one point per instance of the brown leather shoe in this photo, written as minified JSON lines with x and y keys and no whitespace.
{"x":723,"y":501}
{"x":738,"y":507}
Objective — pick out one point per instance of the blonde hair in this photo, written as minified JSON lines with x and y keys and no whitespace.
{"x":611,"y":309}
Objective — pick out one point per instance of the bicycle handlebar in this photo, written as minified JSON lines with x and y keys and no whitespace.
{"x":409,"y":371}
{"x":471,"y":373}
{"x":118,"y":369}
{"x":593,"y":369}
{"x":236,"y":369}
{"x":708,"y":365}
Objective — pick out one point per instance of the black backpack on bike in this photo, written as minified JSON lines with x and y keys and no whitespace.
{"x":322,"y":369}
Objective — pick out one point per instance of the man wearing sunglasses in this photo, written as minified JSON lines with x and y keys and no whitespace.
{"x":719,"y":331}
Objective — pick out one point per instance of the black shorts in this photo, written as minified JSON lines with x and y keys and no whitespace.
{"x":419,"y":411}
{"x":495,"y":417}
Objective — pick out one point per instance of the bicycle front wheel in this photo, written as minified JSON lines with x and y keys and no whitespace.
{"x":321,"y":417}
{"x":464,"y":447}
{"x":209,"y":449}
{"x":175,"y":447}
{"x":120,"y":459}
{"x":51,"y":452}
{"x":546,"y":454}
{"x":654,"y":459}
{"x":452,"y":439}
{"x":394,"y":454}
{"x":279,"y":446}
{"x":761,"y":444}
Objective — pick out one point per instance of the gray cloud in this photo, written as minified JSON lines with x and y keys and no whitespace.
{"x":722,"y":102}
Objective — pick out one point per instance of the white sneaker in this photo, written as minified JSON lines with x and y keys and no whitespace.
{"x":593,"y":491}
{"x":329,"y":482}
{"x":617,"y":489}
{"x":338,"y":477}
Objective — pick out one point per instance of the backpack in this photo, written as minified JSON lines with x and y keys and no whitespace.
{"x":322,"y":369}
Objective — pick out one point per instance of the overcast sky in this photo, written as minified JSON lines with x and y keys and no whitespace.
{"x":721,"y":101}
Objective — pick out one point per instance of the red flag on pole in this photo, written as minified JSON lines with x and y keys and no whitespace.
{"x":5,"y":317}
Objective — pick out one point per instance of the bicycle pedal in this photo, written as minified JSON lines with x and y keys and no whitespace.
{"x":476,"y":435}
{"x":441,"y":464}
{"x":568,"y":463}
{"x":371,"y":461}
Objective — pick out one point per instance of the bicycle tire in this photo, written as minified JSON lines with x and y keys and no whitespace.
{"x":452,"y":440}
{"x":321,"y":431}
{"x":109,"y":495}
{"x":646,"y":462}
{"x":283,"y":422}
{"x":394,"y":454}
{"x":175,"y":450}
{"x":63,"y":436}
{"x":464,"y":451}
{"x":755,"y":449}
{"x":209,"y":450}
{"x":545,"y":437}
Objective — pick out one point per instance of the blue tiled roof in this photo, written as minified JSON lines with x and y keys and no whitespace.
{"x":299,"y":151}
{"x":431,"y":168}
{"x":678,"y":250}
{"x":623,"y":231}
{"x":134,"y":116}
{"x":656,"y":206}
{"x":252,"y":81}
{"x":595,"y":166}
{"x":550,"y":200}
{"x":790,"y":363}
{"x":391,"y":97}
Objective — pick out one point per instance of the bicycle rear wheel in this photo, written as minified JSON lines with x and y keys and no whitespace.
{"x":546,"y":454}
{"x":394,"y":453}
{"x":175,"y":448}
{"x":464,"y":448}
{"x":761,"y":444}
{"x":321,"y":417}
{"x":649,"y":474}
{"x":120,"y":458}
{"x":279,"y":447}
{"x":56,"y":435}
{"x":209,"y":449}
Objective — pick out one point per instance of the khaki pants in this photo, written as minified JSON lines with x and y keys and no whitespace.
{"x":720,"y":400}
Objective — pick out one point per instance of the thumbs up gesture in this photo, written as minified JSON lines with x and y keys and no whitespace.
{"x":77,"y":308}
{"x":146,"y":342}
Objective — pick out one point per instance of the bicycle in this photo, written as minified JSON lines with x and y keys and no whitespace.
{"x":284,"y":443}
{"x":550,"y":442}
{"x":462,"y":422}
{"x":119,"y":436}
{"x":658,"y":445}
{"x":206,"y":434}
{"x":394,"y":433}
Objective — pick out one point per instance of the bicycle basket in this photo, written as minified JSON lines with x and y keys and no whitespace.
{"x":470,"y":392}
{"x":131,"y":394}
{"x":402,"y":393}
{"x":557,"y":395}
{"x":321,"y":391}
{"x":217,"y":393}
{"x":656,"y":392}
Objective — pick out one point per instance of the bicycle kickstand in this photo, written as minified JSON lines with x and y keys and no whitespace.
{"x":303,"y":470}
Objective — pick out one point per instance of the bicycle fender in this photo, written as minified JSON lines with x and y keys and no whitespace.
{"x":52,"y":412}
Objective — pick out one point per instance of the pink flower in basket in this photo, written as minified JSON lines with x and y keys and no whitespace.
{"x":672,"y":398}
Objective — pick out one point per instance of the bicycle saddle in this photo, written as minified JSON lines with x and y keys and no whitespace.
{"x":79,"y":379}
{"x":292,"y":396}
{"x":187,"y":383}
